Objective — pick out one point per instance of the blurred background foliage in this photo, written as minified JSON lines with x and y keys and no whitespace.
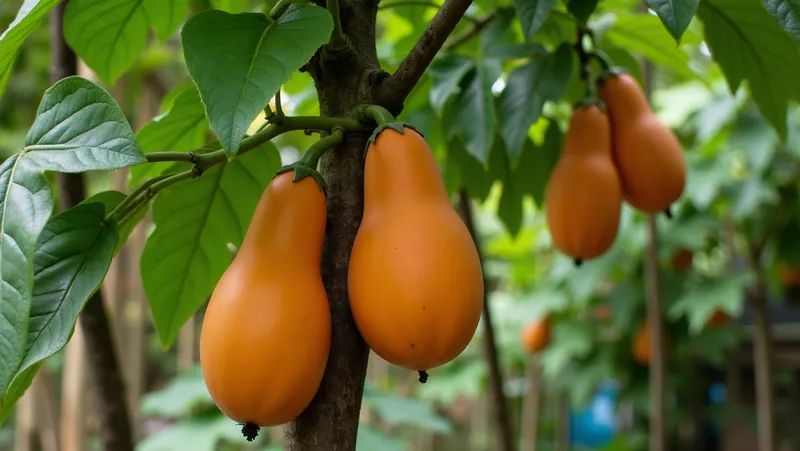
{"x":742,"y":189}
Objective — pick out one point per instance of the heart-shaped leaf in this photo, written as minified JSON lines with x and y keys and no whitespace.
{"x":239,"y":61}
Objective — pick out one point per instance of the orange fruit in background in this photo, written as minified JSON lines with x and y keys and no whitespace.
{"x":536,"y":335}
{"x":584,"y":194}
{"x":718,"y":318}
{"x":681,"y":259}
{"x":790,"y":276}
{"x":641,"y":344}
{"x":647,"y":154}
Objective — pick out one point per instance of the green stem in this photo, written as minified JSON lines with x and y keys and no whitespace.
{"x":377,"y":113}
{"x":155,"y":157}
{"x":602,"y":58}
{"x":123,"y":206}
{"x":281,"y":6}
{"x":338,"y":38}
{"x":424,"y":3}
{"x":141,"y":196}
{"x":312,"y":155}
{"x":279,"y":116}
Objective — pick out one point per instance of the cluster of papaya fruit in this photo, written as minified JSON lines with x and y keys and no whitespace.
{"x":416,"y":298}
{"x":615,"y":150}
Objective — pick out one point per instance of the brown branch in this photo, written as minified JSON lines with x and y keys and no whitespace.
{"x":502,"y":420}
{"x":104,"y":371}
{"x":395,"y":88}
{"x":471,"y":32}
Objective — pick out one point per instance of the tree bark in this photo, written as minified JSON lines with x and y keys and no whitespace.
{"x":501,"y":418}
{"x":531,"y":406}
{"x":762,"y":350}
{"x":109,"y":391}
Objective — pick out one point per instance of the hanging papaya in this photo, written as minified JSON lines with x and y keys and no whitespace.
{"x":790,"y":276}
{"x":266,"y":334}
{"x":641,"y":344}
{"x":718,"y":318}
{"x":536,"y":335}
{"x":415,"y":280}
{"x":681,"y":259}
{"x":583,"y":201}
{"x":647,"y":153}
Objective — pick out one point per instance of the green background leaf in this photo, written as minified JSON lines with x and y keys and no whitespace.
{"x":30,"y":15}
{"x":471,"y":115}
{"x":749,"y":45}
{"x":786,"y":13}
{"x":532,"y":14}
{"x":674,"y":14}
{"x":79,"y":127}
{"x":181,"y":129}
{"x":187,"y":253}
{"x":236,"y":85}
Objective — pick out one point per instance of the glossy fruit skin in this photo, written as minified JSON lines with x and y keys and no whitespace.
{"x":647,"y":154}
{"x":681,"y":259}
{"x":641,"y":344}
{"x":584,"y":195}
{"x":415,"y":280}
{"x":536,"y":335}
{"x":266,"y":334}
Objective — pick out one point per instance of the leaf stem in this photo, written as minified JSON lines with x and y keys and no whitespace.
{"x":155,"y":157}
{"x":279,"y":115}
{"x":339,"y":40}
{"x":123,"y":206}
{"x":602,"y":58}
{"x":281,"y":6}
{"x":377,"y":113}
{"x":148,"y":190}
{"x":423,"y":3}
{"x":312,"y":155}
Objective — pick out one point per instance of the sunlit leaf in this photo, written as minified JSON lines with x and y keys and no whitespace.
{"x":674,"y":14}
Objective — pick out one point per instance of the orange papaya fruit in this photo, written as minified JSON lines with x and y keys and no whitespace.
{"x":790,"y":276}
{"x":641,"y":344}
{"x":583,"y":200}
{"x":647,"y":154}
{"x":266,"y":334}
{"x":536,"y":335}
{"x":414,"y":279}
{"x":681,"y":259}
{"x":718,"y":318}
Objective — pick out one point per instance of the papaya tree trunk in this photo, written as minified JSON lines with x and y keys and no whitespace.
{"x":502,"y":420}
{"x":105,"y":376}
{"x":658,"y":371}
{"x":346,"y":78}
{"x":762,"y":352}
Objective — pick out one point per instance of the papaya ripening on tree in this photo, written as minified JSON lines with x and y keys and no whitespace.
{"x":641,"y":344}
{"x":584,"y":196}
{"x":415,"y":280}
{"x":266,"y":334}
{"x":647,"y":153}
{"x":536,"y":335}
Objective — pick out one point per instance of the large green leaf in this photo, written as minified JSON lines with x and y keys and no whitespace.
{"x":201,"y":432}
{"x":471,"y":116}
{"x":509,"y":209}
{"x":749,"y":45}
{"x":79,"y":127}
{"x":674,"y":14}
{"x":786,"y":13}
{"x":643,"y":34}
{"x":187,"y":253}
{"x":28,"y":18}
{"x":72,"y":256}
{"x":529,"y":87}
{"x":700,"y":302}
{"x":21,"y":384}
{"x":26,"y":202}
{"x":181,"y":129}
{"x":240,"y":61}
{"x":233,"y":6}
{"x":370,"y":439}
{"x":398,"y":410}
{"x":581,"y":9}
{"x":532,"y":14}
{"x":110,"y":34}
{"x":446,"y":73}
